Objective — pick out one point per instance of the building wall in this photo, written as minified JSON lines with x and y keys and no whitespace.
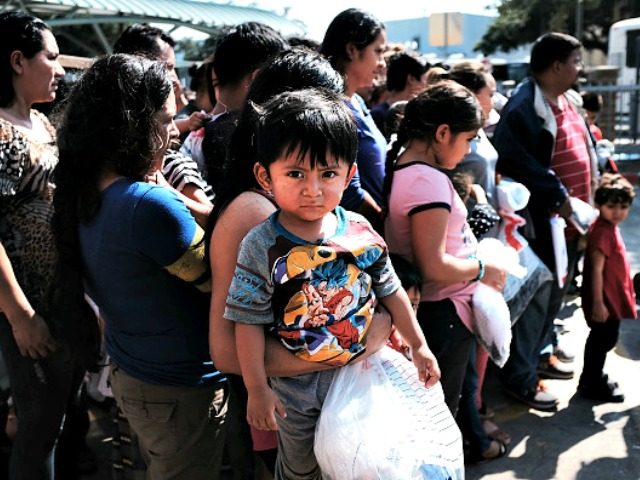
{"x":473,"y":28}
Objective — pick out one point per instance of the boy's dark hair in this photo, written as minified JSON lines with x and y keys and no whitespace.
{"x":551,"y":47}
{"x":142,"y":39}
{"x":22,"y":32}
{"x":399,"y":67}
{"x":310,"y":122}
{"x":591,"y":101}
{"x":615,"y":189}
{"x":407,"y":272}
{"x":243,"y":49}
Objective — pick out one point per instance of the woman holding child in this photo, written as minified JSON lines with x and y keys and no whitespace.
{"x":139,"y":253}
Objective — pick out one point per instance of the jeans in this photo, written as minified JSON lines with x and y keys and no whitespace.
{"x":468,"y":417}
{"x":451,"y":343}
{"x":557,"y":294}
{"x":41,"y":390}
{"x":303,"y":397}
{"x":181,"y":429}
{"x":528,"y":336}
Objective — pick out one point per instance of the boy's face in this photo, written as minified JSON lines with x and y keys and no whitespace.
{"x":614,"y":213}
{"x":304,"y":193}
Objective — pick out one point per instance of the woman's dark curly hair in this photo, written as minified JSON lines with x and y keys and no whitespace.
{"x":109,"y":126}
{"x":22,"y":32}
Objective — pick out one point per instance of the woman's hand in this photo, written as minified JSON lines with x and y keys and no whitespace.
{"x":494,"y":276}
{"x":32,"y":336}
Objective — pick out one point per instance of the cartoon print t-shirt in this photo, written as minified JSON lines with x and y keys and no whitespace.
{"x":317,"y":297}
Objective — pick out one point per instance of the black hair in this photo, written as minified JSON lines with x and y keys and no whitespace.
{"x":399,"y":67}
{"x":592,"y":101}
{"x":22,"y":32}
{"x":287,"y":71}
{"x":109,"y":125}
{"x":549,"y":48}
{"x":310,"y":122}
{"x":472,"y":75}
{"x":445,"y":103}
{"x":304,"y":42}
{"x":142,"y":39}
{"x":615,"y":189}
{"x":245,"y":48}
{"x":350,"y":26}
{"x":201,"y":78}
{"x":407,"y":272}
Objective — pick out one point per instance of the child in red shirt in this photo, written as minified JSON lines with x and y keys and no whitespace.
{"x":607,"y":291}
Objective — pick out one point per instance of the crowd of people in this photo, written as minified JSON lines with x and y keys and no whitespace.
{"x":234,"y":250}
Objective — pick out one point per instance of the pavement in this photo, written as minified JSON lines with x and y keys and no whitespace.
{"x":581,"y":440}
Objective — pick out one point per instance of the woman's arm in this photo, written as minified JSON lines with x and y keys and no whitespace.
{"x":191,"y":195}
{"x":244,"y":213}
{"x":29,"y":329}
{"x":428,"y":238}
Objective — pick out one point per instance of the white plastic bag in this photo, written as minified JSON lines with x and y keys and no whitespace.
{"x":492,"y":325}
{"x":379,"y":422}
{"x":559,"y":249}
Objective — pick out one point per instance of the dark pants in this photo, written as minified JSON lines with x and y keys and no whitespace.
{"x":239,"y":445}
{"x":602,"y":338}
{"x":468,"y":417}
{"x":451,"y":342}
{"x":557,"y":293}
{"x":41,"y":390}
{"x":528,"y":336}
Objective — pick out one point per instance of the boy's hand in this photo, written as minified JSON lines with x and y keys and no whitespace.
{"x":600,"y":312}
{"x":261,"y":405}
{"x":427,"y":365}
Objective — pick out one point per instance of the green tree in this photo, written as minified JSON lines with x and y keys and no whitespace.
{"x":522,"y":21}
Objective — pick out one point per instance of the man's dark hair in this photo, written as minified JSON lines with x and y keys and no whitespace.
{"x":142,"y":39}
{"x":245,"y":48}
{"x":399,"y":67}
{"x":552,"y":47}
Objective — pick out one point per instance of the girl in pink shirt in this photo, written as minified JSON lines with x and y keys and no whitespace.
{"x":427,"y":223}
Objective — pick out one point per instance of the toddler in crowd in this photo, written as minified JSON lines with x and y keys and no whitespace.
{"x":310,"y":273}
{"x":607,"y":291}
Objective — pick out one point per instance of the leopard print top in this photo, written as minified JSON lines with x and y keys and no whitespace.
{"x":26,"y":196}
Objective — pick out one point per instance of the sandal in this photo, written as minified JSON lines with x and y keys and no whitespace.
{"x":495,"y":433}
{"x":497,"y":449}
